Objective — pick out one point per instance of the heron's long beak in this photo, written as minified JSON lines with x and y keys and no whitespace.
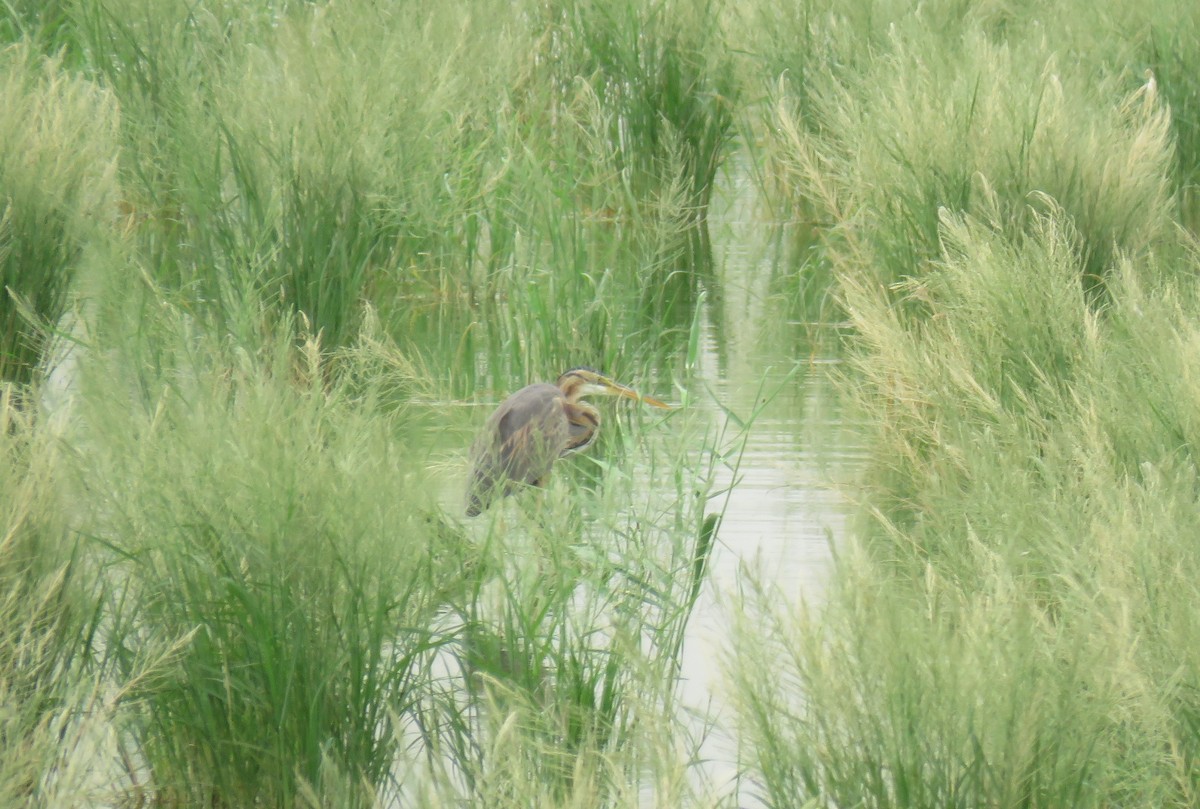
{"x":617,"y":389}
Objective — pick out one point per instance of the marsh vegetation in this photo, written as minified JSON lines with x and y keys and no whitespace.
{"x":262,"y":259}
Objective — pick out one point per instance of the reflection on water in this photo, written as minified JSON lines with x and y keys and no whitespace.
{"x":789,"y":502}
{"x":788,"y":498}
{"x":791,"y":496}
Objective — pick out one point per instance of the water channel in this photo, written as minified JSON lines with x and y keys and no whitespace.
{"x":789,"y":496}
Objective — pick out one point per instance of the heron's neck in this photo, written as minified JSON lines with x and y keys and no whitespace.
{"x":582,"y":423}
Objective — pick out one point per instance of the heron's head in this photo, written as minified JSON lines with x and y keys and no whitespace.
{"x":579,"y":382}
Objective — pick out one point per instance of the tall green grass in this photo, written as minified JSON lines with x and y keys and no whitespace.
{"x":600,"y":164}
{"x":57,"y":194}
{"x":311,"y":158}
{"x":50,"y":612}
{"x":591,"y":276}
{"x":1134,"y":42}
{"x":44,"y":26}
{"x":315,"y":159}
{"x":271,"y":551}
{"x":817,"y":45}
{"x":997,"y":191}
{"x":1002,"y":634}
{"x":662,"y":72}
{"x":965,"y":126}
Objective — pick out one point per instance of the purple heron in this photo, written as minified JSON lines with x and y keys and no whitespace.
{"x":534,"y":427}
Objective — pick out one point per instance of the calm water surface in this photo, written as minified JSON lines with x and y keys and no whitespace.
{"x":792,"y":493}
{"x":788,"y":505}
